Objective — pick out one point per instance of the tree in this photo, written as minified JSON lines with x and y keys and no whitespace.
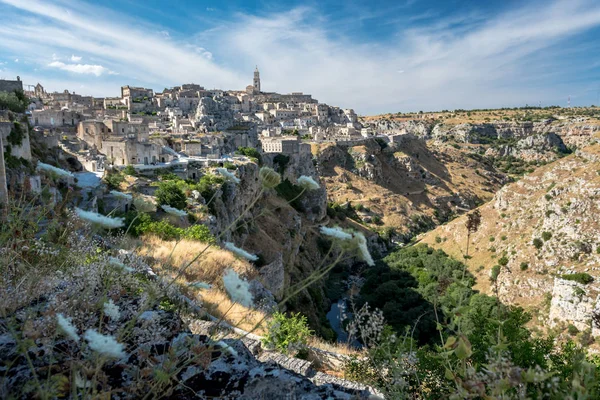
{"x":472,"y":225}
{"x":169,"y":193}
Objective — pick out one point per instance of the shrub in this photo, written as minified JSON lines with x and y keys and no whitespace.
{"x":494,"y":273}
{"x":287,"y":334}
{"x":250,"y":152}
{"x":129,"y":170}
{"x":14,"y":101}
{"x":492,"y":238}
{"x":503,"y":261}
{"x":438,"y":239}
{"x":537,"y":243}
{"x":113,"y":180}
{"x":503,"y":238}
{"x":580,"y":277}
{"x":524,"y":266}
{"x":546,"y":236}
{"x":169,"y":193}
{"x":198,"y":232}
{"x":572,"y":329}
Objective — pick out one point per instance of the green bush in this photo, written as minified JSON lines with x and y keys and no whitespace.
{"x":169,"y":193}
{"x":129,"y":170}
{"x":113,"y":180}
{"x":250,"y":152}
{"x":287,"y":334}
{"x":537,"y":243}
{"x":572,"y":329}
{"x":580,"y":277}
{"x":524,"y":266}
{"x":503,"y":261}
{"x":15,"y":101}
{"x":546,"y":236}
{"x":494,"y":273}
{"x":198,"y":232}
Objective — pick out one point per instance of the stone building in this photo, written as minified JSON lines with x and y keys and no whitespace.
{"x":281,"y":144}
{"x":11,"y":86}
{"x":55,"y":118}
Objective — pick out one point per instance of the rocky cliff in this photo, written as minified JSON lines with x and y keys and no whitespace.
{"x":541,"y":230}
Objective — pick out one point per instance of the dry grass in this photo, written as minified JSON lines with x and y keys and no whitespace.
{"x":170,"y":256}
{"x":338,"y":348}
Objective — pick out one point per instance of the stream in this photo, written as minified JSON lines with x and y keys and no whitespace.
{"x":335,"y":316}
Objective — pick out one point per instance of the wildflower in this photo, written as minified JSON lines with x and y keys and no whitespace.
{"x":308,"y":183}
{"x":173,"y":211}
{"x":336,"y":233}
{"x":61,"y":173}
{"x":353,"y":240}
{"x":237,"y":288}
{"x":102,"y":344}
{"x":228,"y":175}
{"x":240,"y":252}
{"x":99,"y":219}
{"x":269,"y":177}
{"x":363,"y":250}
{"x":200,"y":285}
{"x":67,"y":327}
{"x":142,"y":205}
{"x":117,"y":263}
{"x":112,"y":310}
{"x":82,"y":383}
{"x":121,"y":195}
{"x":227,"y":348}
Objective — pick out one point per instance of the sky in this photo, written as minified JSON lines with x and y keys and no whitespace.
{"x":375,"y":57}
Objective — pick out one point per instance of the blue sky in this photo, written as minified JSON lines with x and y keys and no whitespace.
{"x":383,"y":56}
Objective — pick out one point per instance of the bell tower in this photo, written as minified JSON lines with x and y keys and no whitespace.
{"x":256,"y":80}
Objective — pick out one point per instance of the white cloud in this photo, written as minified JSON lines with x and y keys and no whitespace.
{"x":502,"y":59}
{"x":16,"y":60}
{"x":80,"y":68}
{"x":75,"y":58}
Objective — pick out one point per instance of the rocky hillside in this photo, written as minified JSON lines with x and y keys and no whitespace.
{"x":410,"y":185}
{"x":544,"y":234}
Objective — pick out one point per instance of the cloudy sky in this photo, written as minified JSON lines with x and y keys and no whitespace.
{"x":387,"y":56}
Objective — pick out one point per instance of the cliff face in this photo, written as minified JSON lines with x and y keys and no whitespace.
{"x":285,"y":237}
{"x":542,"y":227}
{"x":527,"y":140}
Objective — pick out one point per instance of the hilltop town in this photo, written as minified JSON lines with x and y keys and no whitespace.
{"x":187,"y":122}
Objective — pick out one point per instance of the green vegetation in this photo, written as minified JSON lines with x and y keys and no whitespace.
{"x":129,"y":170}
{"x":170,"y":193}
{"x":14,"y":101}
{"x":250,"y":152}
{"x":145,"y":225}
{"x":281,"y":160}
{"x":524,"y":266}
{"x":580,"y":277}
{"x":287,"y":334}
{"x":290,"y":193}
{"x":546,"y":236}
{"x":451,"y":331}
{"x":113,"y":179}
{"x":537,"y":243}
